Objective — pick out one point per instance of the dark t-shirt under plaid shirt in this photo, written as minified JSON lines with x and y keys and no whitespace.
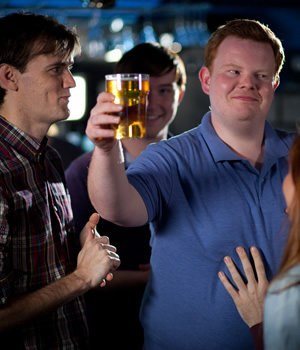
{"x":37,"y":240}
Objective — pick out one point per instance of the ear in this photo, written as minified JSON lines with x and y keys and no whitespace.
{"x":204,"y":77}
{"x":276,"y":84}
{"x":182,"y":91}
{"x":8,"y":78}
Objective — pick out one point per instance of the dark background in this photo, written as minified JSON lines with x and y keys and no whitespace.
{"x":191,"y":23}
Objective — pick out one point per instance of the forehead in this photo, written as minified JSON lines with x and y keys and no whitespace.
{"x":165,"y":79}
{"x":234,"y":48}
{"x":49,"y":59}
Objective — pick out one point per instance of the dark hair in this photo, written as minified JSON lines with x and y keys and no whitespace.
{"x":24,"y":35}
{"x":245,"y":29}
{"x":152,"y":59}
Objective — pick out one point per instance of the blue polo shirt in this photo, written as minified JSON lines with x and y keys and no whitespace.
{"x":203,"y":201}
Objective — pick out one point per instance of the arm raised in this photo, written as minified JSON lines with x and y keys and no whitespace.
{"x":109,"y":190}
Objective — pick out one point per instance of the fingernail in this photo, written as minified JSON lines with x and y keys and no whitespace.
{"x":227,"y":259}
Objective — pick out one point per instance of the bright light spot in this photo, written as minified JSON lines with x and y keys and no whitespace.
{"x":166,"y":39}
{"x":113,"y":55}
{"x":53,"y":130}
{"x":116,"y":25}
{"x":176,"y":47}
{"x":77,"y":102}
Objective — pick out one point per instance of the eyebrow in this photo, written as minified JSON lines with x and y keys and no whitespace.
{"x":233,"y":65}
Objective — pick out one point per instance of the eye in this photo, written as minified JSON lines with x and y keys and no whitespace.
{"x":233,"y":71}
{"x":55,"y":69}
{"x":165,"y":90}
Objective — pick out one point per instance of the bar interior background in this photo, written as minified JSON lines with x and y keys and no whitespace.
{"x":108,"y":28}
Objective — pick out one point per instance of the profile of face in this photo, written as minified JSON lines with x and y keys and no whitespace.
{"x":163,"y":100}
{"x":289,"y":191}
{"x":48,"y":80}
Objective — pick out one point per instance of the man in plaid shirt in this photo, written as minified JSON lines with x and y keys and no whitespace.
{"x":41,"y":285}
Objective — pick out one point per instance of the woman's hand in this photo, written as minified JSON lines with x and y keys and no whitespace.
{"x":248,"y":298}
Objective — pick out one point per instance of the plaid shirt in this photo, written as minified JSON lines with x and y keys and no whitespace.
{"x":37,"y":240}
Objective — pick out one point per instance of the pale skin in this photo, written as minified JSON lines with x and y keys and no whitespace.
{"x":108,"y":152}
{"x":163,"y":101}
{"x":241,"y":88}
{"x":249,"y":298}
{"x":35,"y":99}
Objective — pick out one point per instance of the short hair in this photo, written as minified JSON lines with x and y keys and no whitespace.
{"x":153,"y":59}
{"x":245,"y":29}
{"x":24,"y":35}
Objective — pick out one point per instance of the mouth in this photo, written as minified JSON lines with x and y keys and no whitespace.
{"x":152,"y":117}
{"x":245,"y":98}
{"x":65,"y":98}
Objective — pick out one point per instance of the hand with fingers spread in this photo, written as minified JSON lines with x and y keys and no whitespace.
{"x":248,"y":298}
{"x":102,"y":116}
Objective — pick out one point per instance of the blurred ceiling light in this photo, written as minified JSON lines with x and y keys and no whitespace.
{"x":166,"y":39}
{"x":148,"y":34}
{"x":176,"y":47}
{"x":98,"y":3}
{"x":113,"y":55}
{"x":77,"y":102}
{"x":116,"y":25}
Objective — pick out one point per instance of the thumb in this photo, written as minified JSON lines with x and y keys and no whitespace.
{"x":93,"y":221}
{"x":89,"y":230}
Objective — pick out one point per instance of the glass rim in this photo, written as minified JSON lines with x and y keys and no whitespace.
{"x":135,"y":76}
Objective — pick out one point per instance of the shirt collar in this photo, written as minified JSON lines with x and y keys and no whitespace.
{"x":274,"y":146}
{"x":22,"y":142}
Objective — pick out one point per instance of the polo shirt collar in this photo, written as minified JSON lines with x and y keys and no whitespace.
{"x":274,"y":146}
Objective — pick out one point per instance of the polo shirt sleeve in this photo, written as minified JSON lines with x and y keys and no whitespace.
{"x":151,"y":175}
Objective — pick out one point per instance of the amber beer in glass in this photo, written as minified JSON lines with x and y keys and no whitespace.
{"x":131,"y":90}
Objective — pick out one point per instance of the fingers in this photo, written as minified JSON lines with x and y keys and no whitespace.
{"x":248,"y":269}
{"x":259,"y":265}
{"x":234,"y":273}
{"x":104,"y":113}
{"x":228,"y":286}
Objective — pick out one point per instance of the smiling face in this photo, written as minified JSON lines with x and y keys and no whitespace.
{"x":163,"y":100}
{"x":241,"y":83}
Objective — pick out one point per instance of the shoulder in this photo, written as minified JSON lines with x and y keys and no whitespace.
{"x":287,"y":137}
{"x":292,"y":276}
{"x":80,"y":163}
{"x":281,"y":313}
{"x":284,"y":294}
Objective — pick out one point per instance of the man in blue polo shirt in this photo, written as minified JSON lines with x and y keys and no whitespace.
{"x":204,"y":192}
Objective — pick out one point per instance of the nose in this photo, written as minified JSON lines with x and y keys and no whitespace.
{"x":68,"y":81}
{"x":151,"y":102}
{"x":247,"y":81}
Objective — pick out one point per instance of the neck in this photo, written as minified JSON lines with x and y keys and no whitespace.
{"x":35,"y":130}
{"x":247,"y":142}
